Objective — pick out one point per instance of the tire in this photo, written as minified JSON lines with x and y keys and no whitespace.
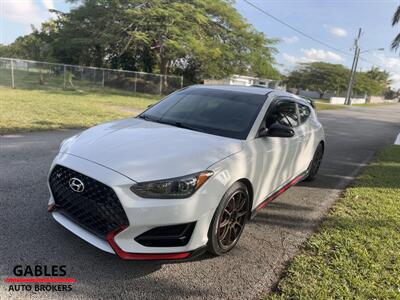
{"x":315,"y":163}
{"x":229,"y":220}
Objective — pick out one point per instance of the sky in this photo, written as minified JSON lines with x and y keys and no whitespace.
{"x":334,"y":22}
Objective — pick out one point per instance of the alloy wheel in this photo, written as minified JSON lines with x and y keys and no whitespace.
{"x":232,"y":220}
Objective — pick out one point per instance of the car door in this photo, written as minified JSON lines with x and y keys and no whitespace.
{"x":278,"y":156}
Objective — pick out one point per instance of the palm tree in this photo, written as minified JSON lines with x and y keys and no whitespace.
{"x":396,"y":20}
{"x":382,"y":77}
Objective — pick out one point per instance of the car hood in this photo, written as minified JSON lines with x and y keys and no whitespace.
{"x":143,"y":150}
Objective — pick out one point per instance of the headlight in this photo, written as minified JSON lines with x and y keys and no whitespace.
{"x":180,"y":187}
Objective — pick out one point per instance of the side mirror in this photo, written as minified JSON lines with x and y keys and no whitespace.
{"x":311,"y":102}
{"x":277,"y":130}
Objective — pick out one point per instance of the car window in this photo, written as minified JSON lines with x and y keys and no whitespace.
{"x":304,"y":112}
{"x":284,"y":113}
{"x":220,"y":112}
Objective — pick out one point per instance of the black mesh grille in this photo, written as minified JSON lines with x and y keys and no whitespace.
{"x":97,"y":207}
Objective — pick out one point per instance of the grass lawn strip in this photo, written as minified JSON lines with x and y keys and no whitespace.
{"x":356,"y":252}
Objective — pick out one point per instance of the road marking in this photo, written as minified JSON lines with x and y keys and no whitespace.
{"x":397,"y":141}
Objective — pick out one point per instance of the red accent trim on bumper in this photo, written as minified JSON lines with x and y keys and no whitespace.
{"x":51,"y":207}
{"x":279,"y":192}
{"x":141,"y":256}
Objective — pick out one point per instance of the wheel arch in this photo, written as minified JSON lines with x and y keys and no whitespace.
{"x":322,"y":142}
{"x":250,"y":189}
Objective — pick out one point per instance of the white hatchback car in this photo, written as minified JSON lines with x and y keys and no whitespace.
{"x":185,"y":175}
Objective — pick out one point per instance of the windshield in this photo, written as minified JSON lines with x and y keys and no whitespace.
{"x":219,"y":112}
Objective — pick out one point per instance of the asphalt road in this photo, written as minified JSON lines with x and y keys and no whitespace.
{"x":30,"y":236}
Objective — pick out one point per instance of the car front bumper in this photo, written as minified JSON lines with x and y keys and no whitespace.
{"x":143,"y":215}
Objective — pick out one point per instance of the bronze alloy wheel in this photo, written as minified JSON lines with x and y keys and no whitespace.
{"x":232,"y":220}
{"x":229,"y":219}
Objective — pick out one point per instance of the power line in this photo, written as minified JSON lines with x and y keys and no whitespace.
{"x":307,"y":35}
{"x":371,"y":62}
{"x":295,"y":29}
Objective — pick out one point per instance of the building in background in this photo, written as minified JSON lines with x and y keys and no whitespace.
{"x":247,"y":81}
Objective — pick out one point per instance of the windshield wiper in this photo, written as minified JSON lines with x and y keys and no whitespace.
{"x":181,"y":125}
{"x":148,"y":118}
{"x":172,"y":123}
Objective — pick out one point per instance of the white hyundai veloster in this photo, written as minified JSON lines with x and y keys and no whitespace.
{"x":187,"y":174}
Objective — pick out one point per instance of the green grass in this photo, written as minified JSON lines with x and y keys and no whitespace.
{"x":373,"y":104}
{"x":322,"y":100}
{"x":324,"y":104}
{"x":327,"y":106}
{"x":24,"y":110}
{"x":356,"y":253}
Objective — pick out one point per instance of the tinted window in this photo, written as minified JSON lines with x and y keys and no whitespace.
{"x":213,"y":111}
{"x":304,"y":112}
{"x":284,"y":113}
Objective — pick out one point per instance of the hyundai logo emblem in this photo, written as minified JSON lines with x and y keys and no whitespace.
{"x":76,"y":185}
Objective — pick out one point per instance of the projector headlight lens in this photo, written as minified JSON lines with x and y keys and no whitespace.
{"x":174,"y":188}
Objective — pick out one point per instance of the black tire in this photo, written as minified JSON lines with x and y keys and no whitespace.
{"x":229,"y":220}
{"x":315,"y":163}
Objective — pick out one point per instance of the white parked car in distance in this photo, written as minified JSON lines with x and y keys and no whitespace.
{"x":187,"y":174}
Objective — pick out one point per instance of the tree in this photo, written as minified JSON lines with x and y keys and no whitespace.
{"x":4,"y":51}
{"x":208,"y":34}
{"x":32,"y":46}
{"x":372,"y":82}
{"x":319,"y":76}
{"x":197,"y":38}
{"x":379,"y":76}
{"x":395,"y":21}
{"x":391,"y":94}
{"x":325,"y":77}
{"x":89,"y":34}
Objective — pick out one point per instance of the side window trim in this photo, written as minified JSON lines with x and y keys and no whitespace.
{"x":290,"y":100}
{"x":302,"y":122}
{"x":298,"y":114}
{"x":273,"y":105}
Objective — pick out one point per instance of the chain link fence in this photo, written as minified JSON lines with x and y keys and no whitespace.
{"x":18,"y":73}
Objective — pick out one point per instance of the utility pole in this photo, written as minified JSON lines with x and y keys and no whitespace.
{"x":353,"y":68}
